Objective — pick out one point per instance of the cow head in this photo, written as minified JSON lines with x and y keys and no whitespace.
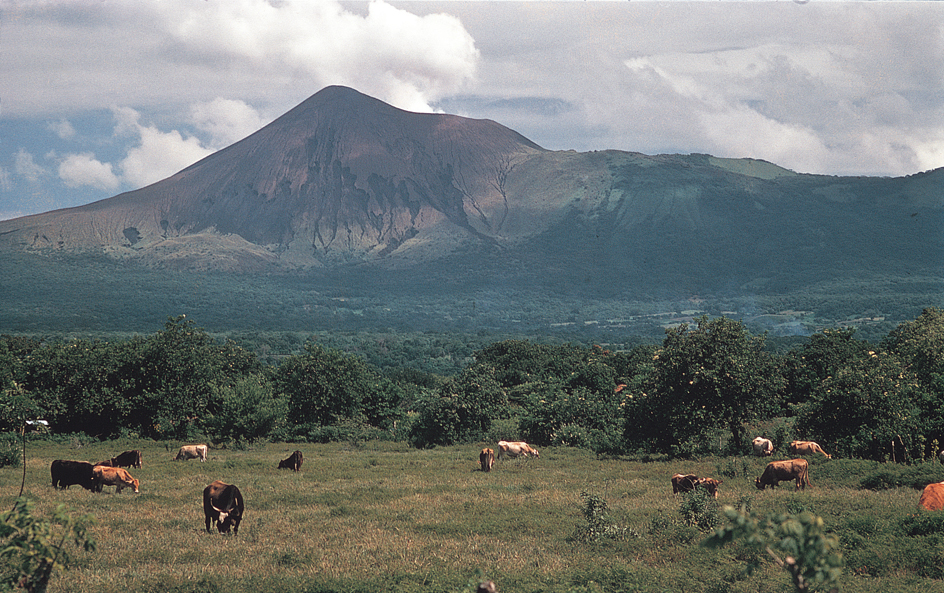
{"x":759,"y":484}
{"x":227,"y":518}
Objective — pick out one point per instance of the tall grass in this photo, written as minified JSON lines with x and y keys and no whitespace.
{"x":384,"y":517}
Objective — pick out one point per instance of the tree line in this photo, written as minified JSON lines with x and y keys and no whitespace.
{"x":708,"y":383}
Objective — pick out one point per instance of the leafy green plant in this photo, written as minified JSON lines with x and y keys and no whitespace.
{"x":599,"y":524}
{"x":700,"y":509}
{"x":33,"y":548}
{"x":797,"y":543}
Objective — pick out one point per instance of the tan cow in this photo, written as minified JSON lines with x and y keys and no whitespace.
{"x":113,"y":476}
{"x":807,"y":448}
{"x":516,"y":449}
{"x":687,"y":482}
{"x":781,"y":471}
{"x":192,"y":452}
{"x":762,"y":447}
{"x":932,"y":498}
{"x":487,"y":459}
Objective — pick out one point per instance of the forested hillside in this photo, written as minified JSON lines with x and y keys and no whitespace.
{"x":709,"y":383}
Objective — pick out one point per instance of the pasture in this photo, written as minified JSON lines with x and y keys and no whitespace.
{"x":382,"y":516}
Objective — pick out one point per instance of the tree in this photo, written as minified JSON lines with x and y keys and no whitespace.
{"x":462,"y":411}
{"x":870,"y":407}
{"x":323,"y":387}
{"x":713,"y":376}
{"x":812,"y":363}
{"x":797,"y":543}
{"x":245,"y":411}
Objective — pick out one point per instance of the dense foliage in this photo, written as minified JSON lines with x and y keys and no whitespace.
{"x":710,"y":383}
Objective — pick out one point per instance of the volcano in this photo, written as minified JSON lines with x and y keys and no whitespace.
{"x":346,"y":180}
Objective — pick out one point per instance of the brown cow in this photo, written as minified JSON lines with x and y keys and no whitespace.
{"x":487,"y":459}
{"x":294,"y":462}
{"x":762,"y":447}
{"x":113,"y":476}
{"x":807,"y":448}
{"x":516,"y":449}
{"x":932,"y":498}
{"x":688,"y":482}
{"x":126,"y":459}
{"x":781,"y":471}
{"x":683,"y":483}
{"x":223,"y":503}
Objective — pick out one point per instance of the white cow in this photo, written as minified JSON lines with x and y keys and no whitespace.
{"x":192,"y":452}
{"x":516,"y":449}
{"x":762,"y":447}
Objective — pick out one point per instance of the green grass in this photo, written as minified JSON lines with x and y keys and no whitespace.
{"x":384,"y":517}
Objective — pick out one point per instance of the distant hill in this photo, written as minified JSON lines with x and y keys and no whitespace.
{"x":349,"y":191}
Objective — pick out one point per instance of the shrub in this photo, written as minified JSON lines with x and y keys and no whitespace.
{"x":700,"y":509}
{"x":599,"y":524}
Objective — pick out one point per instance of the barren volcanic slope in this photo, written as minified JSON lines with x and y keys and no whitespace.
{"x":349,"y":186}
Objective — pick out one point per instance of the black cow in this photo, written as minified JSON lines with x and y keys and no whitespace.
{"x":126,"y":459}
{"x":223,"y":503}
{"x":294,"y":462}
{"x":66,"y":473}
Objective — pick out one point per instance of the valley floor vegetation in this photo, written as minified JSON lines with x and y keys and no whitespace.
{"x":384,"y":516}
{"x":710,"y":386}
{"x":391,"y":496}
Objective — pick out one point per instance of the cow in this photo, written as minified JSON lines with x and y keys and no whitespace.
{"x":762,"y":447}
{"x":487,"y":459}
{"x":781,"y":471}
{"x":223,"y":503}
{"x":807,"y":448}
{"x":683,"y":483}
{"x":709,"y":485}
{"x":687,"y":482}
{"x":192,"y":452}
{"x":940,"y":456}
{"x":114,"y":476}
{"x":516,"y":449}
{"x":294,"y":462}
{"x":126,"y":459}
{"x":932,"y":498}
{"x":66,"y":473}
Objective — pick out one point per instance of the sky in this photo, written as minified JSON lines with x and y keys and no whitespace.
{"x":98,"y":97}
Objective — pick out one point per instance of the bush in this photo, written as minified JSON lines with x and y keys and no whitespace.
{"x":599,"y":525}
{"x":10,"y":452}
{"x":700,"y":509}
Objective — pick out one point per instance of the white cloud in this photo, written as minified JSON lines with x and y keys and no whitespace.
{"x":6,"y":181}
{"x":26,"y":167}
{"x":159,"y":155}
{"x":389,"y":53}
{"x":77,"y":170}
{"x":62,"y":128}
{"x":226,"y":120}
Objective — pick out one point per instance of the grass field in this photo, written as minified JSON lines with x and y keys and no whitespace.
{"x":385,"y":517}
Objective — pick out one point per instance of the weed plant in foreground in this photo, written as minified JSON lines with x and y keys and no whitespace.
{"x":385,"y":517}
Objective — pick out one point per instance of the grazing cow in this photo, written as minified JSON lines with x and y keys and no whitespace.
{"x":688,"y":482}
{"x":192,"y":452}
{"x":487,"y":459}
{"x":516,"y":449}
{"x":781,"y":471}
{"x":709,"y":485}
{"x":126,"y":459}
{"x":941,"y":456}
{"x":223,"y":503}
{"x":65,"y":473}
{"x":683,"y":483}
{"x":807,"y":448}
{"x":114,"y":476}
{"x":294,"y":462}
{"x":932,"y":498}
{"x":762,"y":447}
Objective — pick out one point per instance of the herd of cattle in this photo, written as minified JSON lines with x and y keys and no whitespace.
{"x":222,"y":503}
